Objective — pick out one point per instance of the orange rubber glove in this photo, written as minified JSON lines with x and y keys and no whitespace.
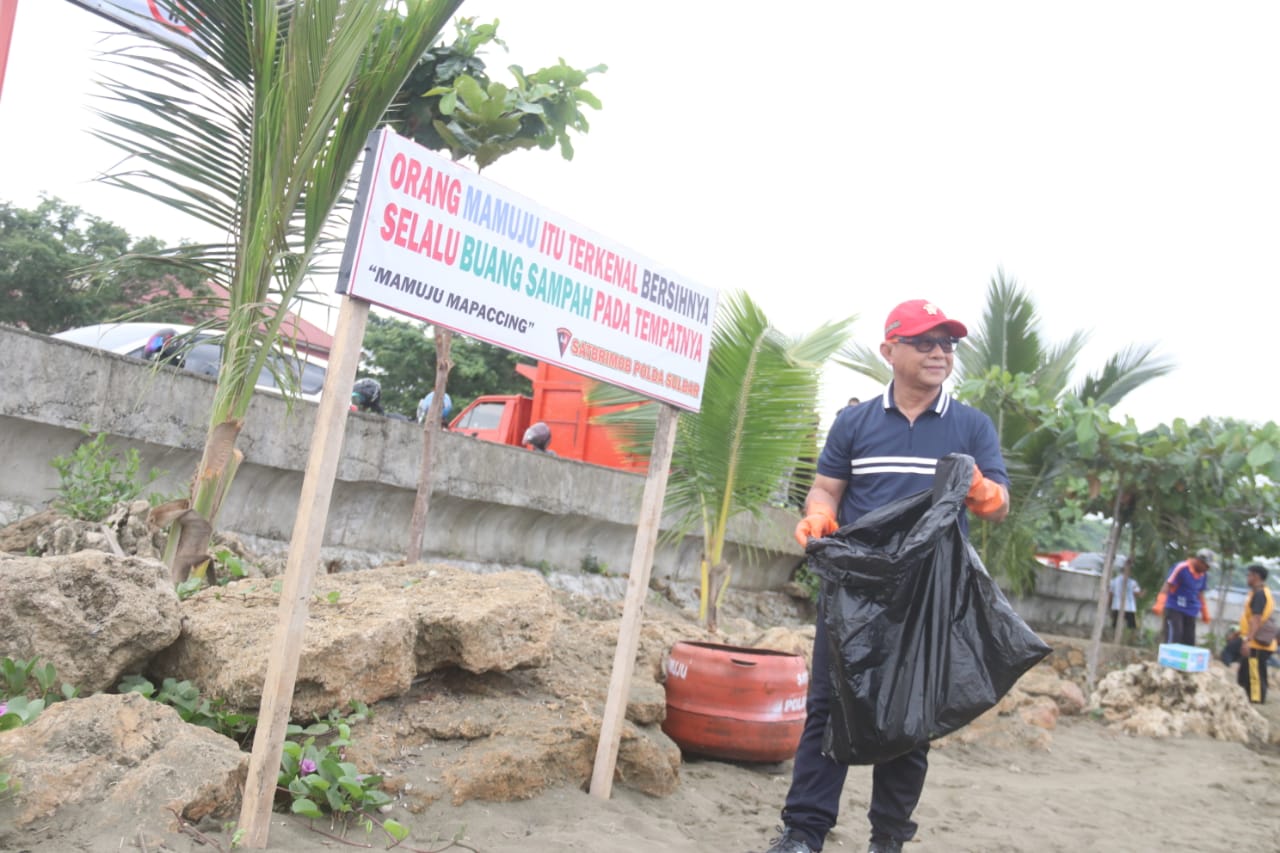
{"x":985,"y":496}
{"x":1158,"y":607}
{"x":818,"y":523}
{"x":1204,"y":610}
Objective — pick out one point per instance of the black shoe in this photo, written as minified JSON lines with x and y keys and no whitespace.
{"x":788,"y":843}
{"x":885,"y":845}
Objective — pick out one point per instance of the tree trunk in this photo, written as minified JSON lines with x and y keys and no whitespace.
{"x":191,"y":521}
{"x":717,"y":580}
{"x":1100,"y":614}
{"x":430,"y":428}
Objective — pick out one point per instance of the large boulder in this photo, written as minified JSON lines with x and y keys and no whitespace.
{"x":1155,"y":701}
{"x":125,"y":530}
{"x":1044,"y":681}
{"x":368,"y":635}
{"x":94,"y":616}
{"x":114,"y":766}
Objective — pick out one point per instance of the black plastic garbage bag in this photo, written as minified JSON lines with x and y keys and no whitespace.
{"x":921,"y":639}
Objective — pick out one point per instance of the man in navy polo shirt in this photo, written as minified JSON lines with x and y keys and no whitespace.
{"x":877,"y":453}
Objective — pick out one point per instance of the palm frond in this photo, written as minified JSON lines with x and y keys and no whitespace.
{"x":863,"y":359}
{"x":1008,"y":336}
{"x":758,"y":417}
{"x":254,"y":128}
{"x":1128,"y":369}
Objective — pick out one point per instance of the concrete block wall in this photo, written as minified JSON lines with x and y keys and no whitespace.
{"x":489,"y":503}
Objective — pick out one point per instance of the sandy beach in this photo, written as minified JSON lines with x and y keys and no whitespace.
{"x":1092,"y":790}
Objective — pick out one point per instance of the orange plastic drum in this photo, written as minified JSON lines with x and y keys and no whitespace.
{"x":735,"y":703}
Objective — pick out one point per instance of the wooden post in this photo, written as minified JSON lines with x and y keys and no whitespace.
{"x":304,"y":554}
{"x":1100,"y":612}
{"x":430,"y":428}
{"x":624,"y":656}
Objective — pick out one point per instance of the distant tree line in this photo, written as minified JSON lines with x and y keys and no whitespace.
{"x":56,"y":269}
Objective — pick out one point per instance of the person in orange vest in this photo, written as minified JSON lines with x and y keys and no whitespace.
{"x":1257,"y":635}
{"x":1181,"y":599}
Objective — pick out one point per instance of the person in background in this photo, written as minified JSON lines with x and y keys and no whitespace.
{"x":876,"y":453}
{"x":366,"y":396}
{"x":538,"y":436}
{"x":425,"y":403}
{"x":1128,"y":602}
{"x":1184,"y":598}
{"x":1256,"y":643}
{"x":853,"y":401}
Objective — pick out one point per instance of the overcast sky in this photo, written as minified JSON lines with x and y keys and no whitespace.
{"x":1120,"y":160}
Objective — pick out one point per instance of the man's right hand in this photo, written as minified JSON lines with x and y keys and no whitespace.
{"x":820,"y":522}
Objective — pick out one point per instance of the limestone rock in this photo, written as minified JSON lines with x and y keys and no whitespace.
{"x":115,"y":764}
{"x":94,"y":616}
{"x":647,"y":703}
{"x":796,"y":641}
{"x":368,"y":633}
{"x":648,"y":761}
{"x":20,"y":536}
{"x":1043,"y":681}
{"x":1041,"y":712}
{"x":1156,"y":701}
{"x":124,"y":531}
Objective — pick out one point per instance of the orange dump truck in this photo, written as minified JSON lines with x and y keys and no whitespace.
{"x":559,"y":401}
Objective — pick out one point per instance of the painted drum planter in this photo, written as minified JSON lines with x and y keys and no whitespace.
{"x":735,"y":703}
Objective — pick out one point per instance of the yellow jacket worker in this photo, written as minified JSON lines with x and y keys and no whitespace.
{"x":1258,"y":635}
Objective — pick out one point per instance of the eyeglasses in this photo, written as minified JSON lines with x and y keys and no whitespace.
{"x":925,"y":344}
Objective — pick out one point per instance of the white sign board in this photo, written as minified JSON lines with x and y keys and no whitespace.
{"x":434,"y":240}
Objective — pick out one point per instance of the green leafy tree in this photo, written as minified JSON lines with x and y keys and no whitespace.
{"x":1178,"y":488}
{"x":401,"y":355}
{"x":61,"y":268}
{"x":756,"y":421}
{"x":450,"y":103}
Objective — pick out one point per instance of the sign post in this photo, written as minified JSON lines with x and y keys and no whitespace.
{"x":624,"y":654}
{"x":432,"y":240}
{"x":299,"y":573}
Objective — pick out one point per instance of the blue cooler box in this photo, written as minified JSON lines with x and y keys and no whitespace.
{"x":1184,"y":658}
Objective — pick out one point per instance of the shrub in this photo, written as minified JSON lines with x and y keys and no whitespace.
{"x":184,"y":698}
{"x":28,"y":689}
{"x":93,"y":479}
{"x":318,"y":779}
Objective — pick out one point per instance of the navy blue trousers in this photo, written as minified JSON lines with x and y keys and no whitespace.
{"x":813,"y":803}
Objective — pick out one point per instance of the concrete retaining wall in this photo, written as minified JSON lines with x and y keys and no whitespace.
{"x":489,"y":503}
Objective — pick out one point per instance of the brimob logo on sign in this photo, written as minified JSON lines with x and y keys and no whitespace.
{"x":563,"y":337}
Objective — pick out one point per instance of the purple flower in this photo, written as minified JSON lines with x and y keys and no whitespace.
{"x":306,"y":765}
{"x":4,"y":708}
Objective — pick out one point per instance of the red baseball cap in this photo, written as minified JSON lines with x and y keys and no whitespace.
{"x":920,"y":315}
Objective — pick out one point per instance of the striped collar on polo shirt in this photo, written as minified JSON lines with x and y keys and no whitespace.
{"x":940,"y":405}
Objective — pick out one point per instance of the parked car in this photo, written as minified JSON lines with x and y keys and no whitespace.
{"x":199,"y":351}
